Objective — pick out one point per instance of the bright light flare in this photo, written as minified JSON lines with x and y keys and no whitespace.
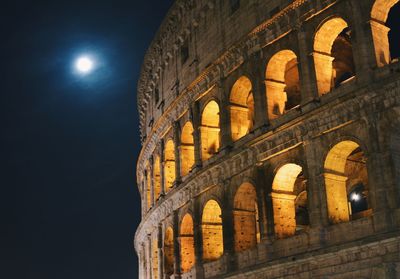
{"x":355,"y":197}
{"x":84,"y":64}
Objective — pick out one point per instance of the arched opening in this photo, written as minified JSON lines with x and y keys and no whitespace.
{"x":282,"y":83}
{"x":346,"y":182}
{"x":211,"y":225}
{"x":157,"y":178}
{"x":154,"y":263}
{"x":148,"y":187}
{"x":169,"y":167}
{"x":289,"y":198}
{"x":380,"y":30}
{"x":210,"y":130}
{"x":241,"y":108}
{"x":333,"y":55}
{"x":187,"y":243}
{"x":169,"y":252}
{"x":187,"y":149}
{"x":245,"y":218}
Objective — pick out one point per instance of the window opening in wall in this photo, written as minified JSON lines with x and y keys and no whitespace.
{"x":211,"y":225}
{"x":187,"y":148}
{"x":346,"y":183}
{"x":282,"y":83}
{"x":210,"y":130}
{"x":184,"y":51}
{"x":289,"y":199}
{"x":384,"y":22}
{"x":245,"y":218}
{"x":343,"y":63}
{"x":241,"y":108}
{"x":235,"y":5}
{"x":187,"y":243}
{"x":394,"y":33}
{"x":333,"y":55}
{"x":169,"y":252}
{"x":169,"y":167}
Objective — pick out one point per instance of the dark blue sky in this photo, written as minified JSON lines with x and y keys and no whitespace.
{"x":68,"y":200}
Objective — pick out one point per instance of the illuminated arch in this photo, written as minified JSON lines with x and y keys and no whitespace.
{"x":241,"y":108}
{"x":169,"y":252}
{"x":187,"y":148}
{"x":333,"y":55}
{"x":187,"y":243}
{"x":157,"y":178}
{"x":289,"y":198}
{"x":346,"y":172}
{"x":211,"y":225}
{"x":210,"y":130}
{"x":379,"y":15}
{"x":282,"y":83}
{"x":245,"y":218}
{"x":169,"y":167}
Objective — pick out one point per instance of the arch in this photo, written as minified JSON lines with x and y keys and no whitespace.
{"x":346,"y":182}
{"x":282,"y":83}
{"x":241,"y":108}
{"x":289,"y":199}
{"x":379,"y":15}
{"x":169,"y":167}
{"x":157,"y":178}
{"x":333,"y":55}
{"x":209,"y":130}
{"x":187,"y":243}
{"x":187,"y":148}
{"x":245,"y":218}
{"x":169,"y":252}
{"x":154,"y":262}
{"x":211,"y":225}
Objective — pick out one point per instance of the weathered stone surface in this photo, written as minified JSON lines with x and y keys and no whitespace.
{"x":271,"y":142}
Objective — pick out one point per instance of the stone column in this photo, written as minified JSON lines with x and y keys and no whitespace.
{"x":228,"y":232}
{"x":224,"y":117}
{"x":259,"y":91}
{"x":196,"y":122}
{"x":308,"y":81}
{"x":198,"y":241}
{"x":148,"y":258}
{"x":152,"y":196}
{"x":372,"y":42}
{"x":315,"y":190}
{"x":177,"y":248}
{"x":177,"y":143}
{"x":162,"y":171}
{"x":160,"y":253}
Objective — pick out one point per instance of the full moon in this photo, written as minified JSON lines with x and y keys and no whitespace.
{"x":84,"y":64}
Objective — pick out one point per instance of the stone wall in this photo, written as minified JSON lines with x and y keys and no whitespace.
{"x":291,"y":105}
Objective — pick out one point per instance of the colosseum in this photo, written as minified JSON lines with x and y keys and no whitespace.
{"x":270,"y":142}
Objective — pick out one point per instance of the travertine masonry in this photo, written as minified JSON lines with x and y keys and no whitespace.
{"x":271,"y":142}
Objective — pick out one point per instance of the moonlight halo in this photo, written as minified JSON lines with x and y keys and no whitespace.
{"x":84,"y":64}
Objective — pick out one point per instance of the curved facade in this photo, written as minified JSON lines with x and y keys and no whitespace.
{"x":271,"y":142}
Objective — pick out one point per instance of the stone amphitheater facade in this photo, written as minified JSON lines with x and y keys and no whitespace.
{"x":270,"y":142}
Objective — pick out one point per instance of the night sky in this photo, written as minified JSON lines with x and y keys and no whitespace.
{"x":69,"y":202}
{"x":69,"y":205}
